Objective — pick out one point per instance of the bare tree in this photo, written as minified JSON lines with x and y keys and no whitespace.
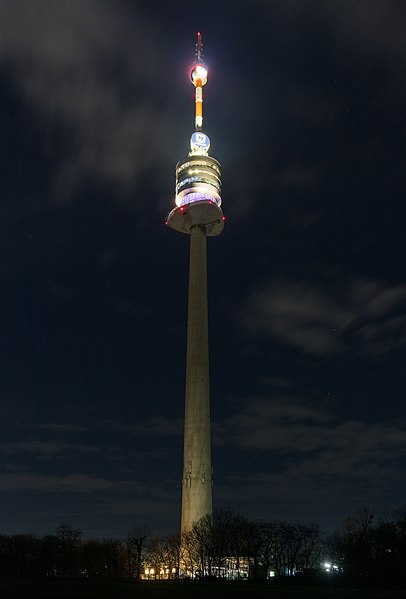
{"x":19,"y":555}
{"x":136,"y":540}
{"x":68,"y":540}
{"x":311,"y":546}
{"x":253,"y":548}
{"x":268,"y":531}
{"x":101,"y":558}
{"x":200,"y":545}
{"x":211,"y":537}
{"x":352,"y":541}
{"x":238,"y":541}
{"x":174,"y":548}
{"x":156,"y":555}
{"x":289,"y":546}
{"x":223,"y":523}
{"x":192,"y":556}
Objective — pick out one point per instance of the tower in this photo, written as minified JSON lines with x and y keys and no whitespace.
{"x":198,"y":214}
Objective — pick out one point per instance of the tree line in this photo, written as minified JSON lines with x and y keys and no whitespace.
{"x":223,"y":544}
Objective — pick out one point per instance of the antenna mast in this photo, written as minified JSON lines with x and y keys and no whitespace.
{"x":199,"y":78}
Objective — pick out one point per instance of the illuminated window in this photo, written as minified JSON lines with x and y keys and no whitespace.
{"x":199,"y":180}
{"x":197,"y":197}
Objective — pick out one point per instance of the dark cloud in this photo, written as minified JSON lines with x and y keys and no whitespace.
{"x":365,"y":25}
{"x":157,"y":426}
{"x":294,"y":425}
{"x":73,"y":483}
{"x":38,"y":447}
{"x":325,"y":319}
{"x":312,"y":451}
{"x":61,"y":427}
{"x":77,"y":66}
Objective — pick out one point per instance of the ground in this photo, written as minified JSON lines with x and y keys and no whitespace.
{"x":87,"y":589}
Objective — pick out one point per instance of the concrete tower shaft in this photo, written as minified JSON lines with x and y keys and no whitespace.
{"x":197,"y":471}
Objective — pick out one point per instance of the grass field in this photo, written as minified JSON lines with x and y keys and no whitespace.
{"x":89,"y":589}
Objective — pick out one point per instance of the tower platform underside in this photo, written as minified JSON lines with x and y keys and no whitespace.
{"x":203,"y":213}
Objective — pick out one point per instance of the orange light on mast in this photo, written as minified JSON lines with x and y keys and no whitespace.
{"x":198,"y":76}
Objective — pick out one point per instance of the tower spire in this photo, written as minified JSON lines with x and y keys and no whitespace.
{"x":198,"y":76}
{"x":199,"y":48}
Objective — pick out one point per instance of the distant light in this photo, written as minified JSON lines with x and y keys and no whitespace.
{"x":327,"y":565}
{"x":223,"y":218}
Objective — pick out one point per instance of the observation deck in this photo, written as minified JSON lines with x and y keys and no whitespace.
{"x":198,"y":195}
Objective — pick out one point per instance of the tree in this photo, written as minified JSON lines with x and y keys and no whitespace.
{"x":19,"y":555}
{"x":253,"y":548}
{"x":211,"y":538}
{"x":68,"y":541}
{"x":199,"y":546}
{"x":190,"y":553}
{"x":238,"y":541}
{"x":174,"y":548}
{"x":312,"y":545}
{"x":388,"y":548}
{"x":222,"y":524}
{"x":101,"y":558}
{"x":157,"y":556}
{"x":136,"y":540}
{"x":48,"y":560}
{"x":352,"y":543}
{"x":268,"y":532}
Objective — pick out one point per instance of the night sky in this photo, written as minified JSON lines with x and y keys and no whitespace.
{"x":305,"y":108}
